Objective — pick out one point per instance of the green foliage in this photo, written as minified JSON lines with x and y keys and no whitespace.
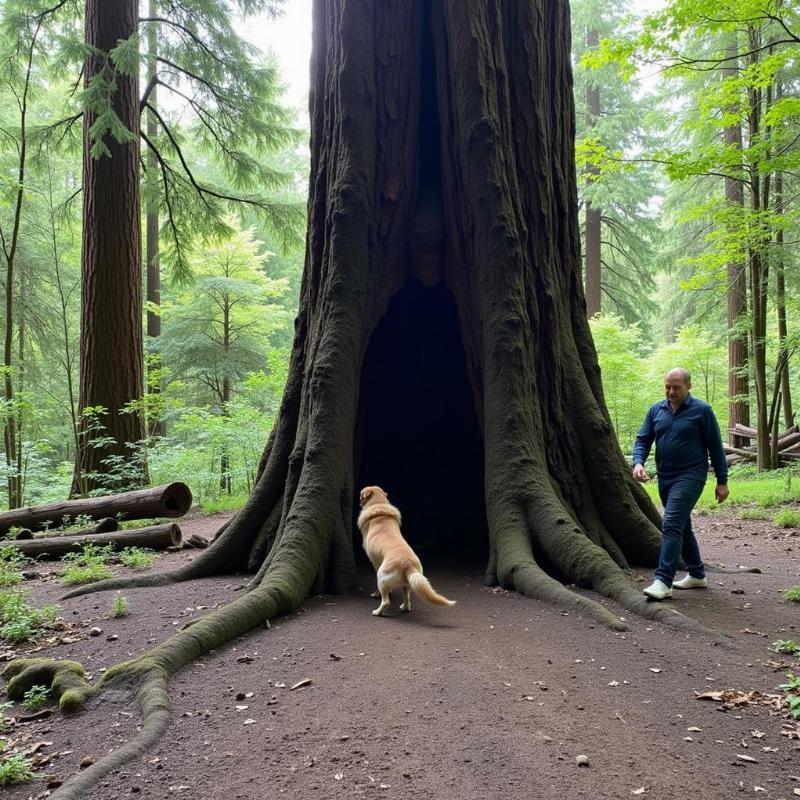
{"x":36,"y":698}
{"x":787,"y":646}
{"x":120,"y":606}
{"x":753,"y":513}
{"x":793,"y":594}
{"x":4,"y":720}
{"x":15,"y":769}
{"x":19,"y":620}
{"x":791,"y":692}
{"x":787,"y":518}
{"x":614,"y":122}
{"x":69,"y":524}
{"x":88,"y":565}
{"x":226,"y":502}
{"x":12,"y":562}
{"x":239,"y":132}
{"x":217,"y":330}
{"x":627,"y":391}
{"x":748,"y":488}
{"x":705,"y":357}
{"x":137,"y":557}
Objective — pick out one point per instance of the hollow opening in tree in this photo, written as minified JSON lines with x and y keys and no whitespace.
{"x":417,"y":433}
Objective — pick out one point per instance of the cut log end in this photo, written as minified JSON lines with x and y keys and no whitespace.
{"x":177,"y":499}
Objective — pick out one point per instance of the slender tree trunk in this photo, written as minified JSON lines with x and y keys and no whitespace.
{"x":759,"y":276}
{"x":111,"y":361}
{"x":64,"y":293}
{"x":780,"y":296}
{"x":225,"y":483}
{"x":19,"y":417}
{"x":738,"y":380}
{"x":157,"y":426}
{"x":593,"y":215}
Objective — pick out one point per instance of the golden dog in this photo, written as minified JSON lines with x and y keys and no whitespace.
{"x":396,"y":564}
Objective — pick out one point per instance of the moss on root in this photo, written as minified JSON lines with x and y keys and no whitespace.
{"x":65,"y":679}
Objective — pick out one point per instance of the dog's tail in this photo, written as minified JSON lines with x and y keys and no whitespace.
{"x":422,"y":586}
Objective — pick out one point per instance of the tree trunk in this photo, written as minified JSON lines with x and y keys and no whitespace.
{"x":157,"y":537}
{"x":111,"y":358}
{"x":172,"y":500}
{"x":738,"y":382}
{"x":442,"y":322}
{"x":759,"y":268}
{"x":225,"y":483}
{"x":157,"y":426}
{"x":593,"y":215}
{"x":780,"y":295}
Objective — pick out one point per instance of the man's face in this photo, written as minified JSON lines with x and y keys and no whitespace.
{"x":675,"y":388}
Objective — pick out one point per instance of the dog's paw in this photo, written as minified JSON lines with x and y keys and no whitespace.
{"x":404,"y":607}
{"x":375,"y":595}
{"x":378,"y":612}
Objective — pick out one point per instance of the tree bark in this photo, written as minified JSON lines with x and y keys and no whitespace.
{"x":111,"y":357}
{"x":171,"y":500}
{"x":157,"y":426}
{"x":738,"y":381}
{"x":780,"y":296}
{"x":157,"y":537}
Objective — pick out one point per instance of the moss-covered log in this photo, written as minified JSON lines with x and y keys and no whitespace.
{"x":441,"y":348}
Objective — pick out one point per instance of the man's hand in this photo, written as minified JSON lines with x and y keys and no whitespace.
{"x":721,"y":493}
{"x":640,"y":474}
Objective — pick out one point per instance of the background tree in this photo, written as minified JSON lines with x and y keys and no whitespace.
{"x":221,"y":324}
{"x":111,"y":283}
{"x":614,"y":121}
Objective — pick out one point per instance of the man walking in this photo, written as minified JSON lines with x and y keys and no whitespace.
{"x":686,"y":433}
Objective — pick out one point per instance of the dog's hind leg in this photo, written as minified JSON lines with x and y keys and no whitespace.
{"x":406,"y":604}
{"x":387,"y":580}
{"x":378,"y":612}
{"x":383,"y":592}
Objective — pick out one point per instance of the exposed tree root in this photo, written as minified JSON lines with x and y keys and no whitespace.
{"x":722,"y":569}
{"x":149,"y":674}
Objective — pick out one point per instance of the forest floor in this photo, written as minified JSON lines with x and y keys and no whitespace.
{"x":494,"y":698}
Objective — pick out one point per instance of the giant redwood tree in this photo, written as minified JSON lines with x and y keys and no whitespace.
{"x":441,"y":347}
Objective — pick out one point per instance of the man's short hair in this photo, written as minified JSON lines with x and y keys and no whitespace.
{"x":684,"y":373}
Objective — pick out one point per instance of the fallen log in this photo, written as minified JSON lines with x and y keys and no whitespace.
{"x":156,"y":537}
{"x":738,"y":451}
{"x":172,"y":500}
{"x":744,"y":430}
{"x":787,"y":441}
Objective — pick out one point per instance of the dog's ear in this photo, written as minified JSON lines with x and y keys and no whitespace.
{"x":366,"y":493}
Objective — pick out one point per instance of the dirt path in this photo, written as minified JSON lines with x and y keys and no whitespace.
{"x":494,"y":698}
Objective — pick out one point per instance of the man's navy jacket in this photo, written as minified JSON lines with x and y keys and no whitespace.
{"x":684,"y":440}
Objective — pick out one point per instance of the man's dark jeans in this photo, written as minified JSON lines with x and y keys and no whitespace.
{"x":679,"y":496}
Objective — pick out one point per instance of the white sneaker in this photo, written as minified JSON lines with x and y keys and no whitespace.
{"x":658,"y":590}
{"x":690,"y":583}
